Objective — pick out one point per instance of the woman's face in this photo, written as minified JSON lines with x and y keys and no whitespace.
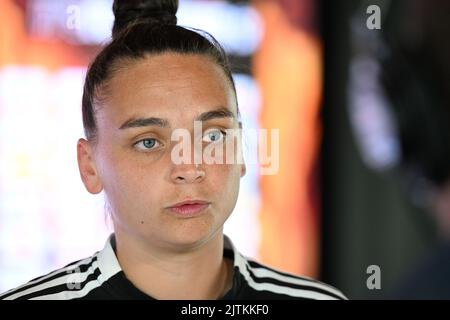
{"x":132,"y":160}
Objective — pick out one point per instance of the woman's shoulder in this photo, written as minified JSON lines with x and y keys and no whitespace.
{"x":58,"y":284}
{"x":272,"y":283}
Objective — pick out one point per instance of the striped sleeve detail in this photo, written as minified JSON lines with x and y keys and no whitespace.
{"x":262,"y":278}
{"x":263,"y":273}
{"x":65,"y":283}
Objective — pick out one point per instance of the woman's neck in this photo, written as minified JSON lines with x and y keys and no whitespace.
{"x":198,"y":273}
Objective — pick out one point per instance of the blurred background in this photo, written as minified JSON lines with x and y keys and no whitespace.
{"x":359,"y":92}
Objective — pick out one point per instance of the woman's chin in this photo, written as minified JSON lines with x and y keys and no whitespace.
{"x":192,"y":237}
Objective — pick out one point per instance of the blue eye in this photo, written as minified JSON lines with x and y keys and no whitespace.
{"x":147,"y":144}
{"x":214,"y":135}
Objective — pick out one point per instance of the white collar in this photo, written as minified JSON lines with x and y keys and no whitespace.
{"x":109,"y":265}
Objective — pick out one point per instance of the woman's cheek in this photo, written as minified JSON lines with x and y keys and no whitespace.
{"x":227,"y":178}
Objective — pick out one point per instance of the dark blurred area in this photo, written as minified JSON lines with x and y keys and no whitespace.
{"x":386,"y":155}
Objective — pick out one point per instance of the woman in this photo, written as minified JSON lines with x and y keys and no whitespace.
{"x":152,"y":79}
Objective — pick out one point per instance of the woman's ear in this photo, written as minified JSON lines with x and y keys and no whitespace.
{"x":87,"y":167}
{"x":243,"y":170}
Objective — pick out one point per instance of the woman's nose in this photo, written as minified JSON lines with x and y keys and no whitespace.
{"x":187,"y":173}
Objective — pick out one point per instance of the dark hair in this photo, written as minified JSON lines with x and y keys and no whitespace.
{"x":143,"y":27}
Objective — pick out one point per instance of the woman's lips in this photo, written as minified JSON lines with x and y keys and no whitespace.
{"x":189,"y":208}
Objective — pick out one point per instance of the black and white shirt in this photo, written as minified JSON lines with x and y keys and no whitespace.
{"x":101,"y":277}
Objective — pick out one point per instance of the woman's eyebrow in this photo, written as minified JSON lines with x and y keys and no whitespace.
{"x":221,"y":112}
{"x":144,"y":122}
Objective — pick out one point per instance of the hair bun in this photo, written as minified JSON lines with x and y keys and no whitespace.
{"x":127,"y":12}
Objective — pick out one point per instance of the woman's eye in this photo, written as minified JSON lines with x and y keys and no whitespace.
{"x":214,"y":135}
{"x":147,"y":144}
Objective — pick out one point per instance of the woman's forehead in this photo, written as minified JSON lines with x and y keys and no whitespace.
{"x":168,"y":86}
{"x":168,"y":71}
